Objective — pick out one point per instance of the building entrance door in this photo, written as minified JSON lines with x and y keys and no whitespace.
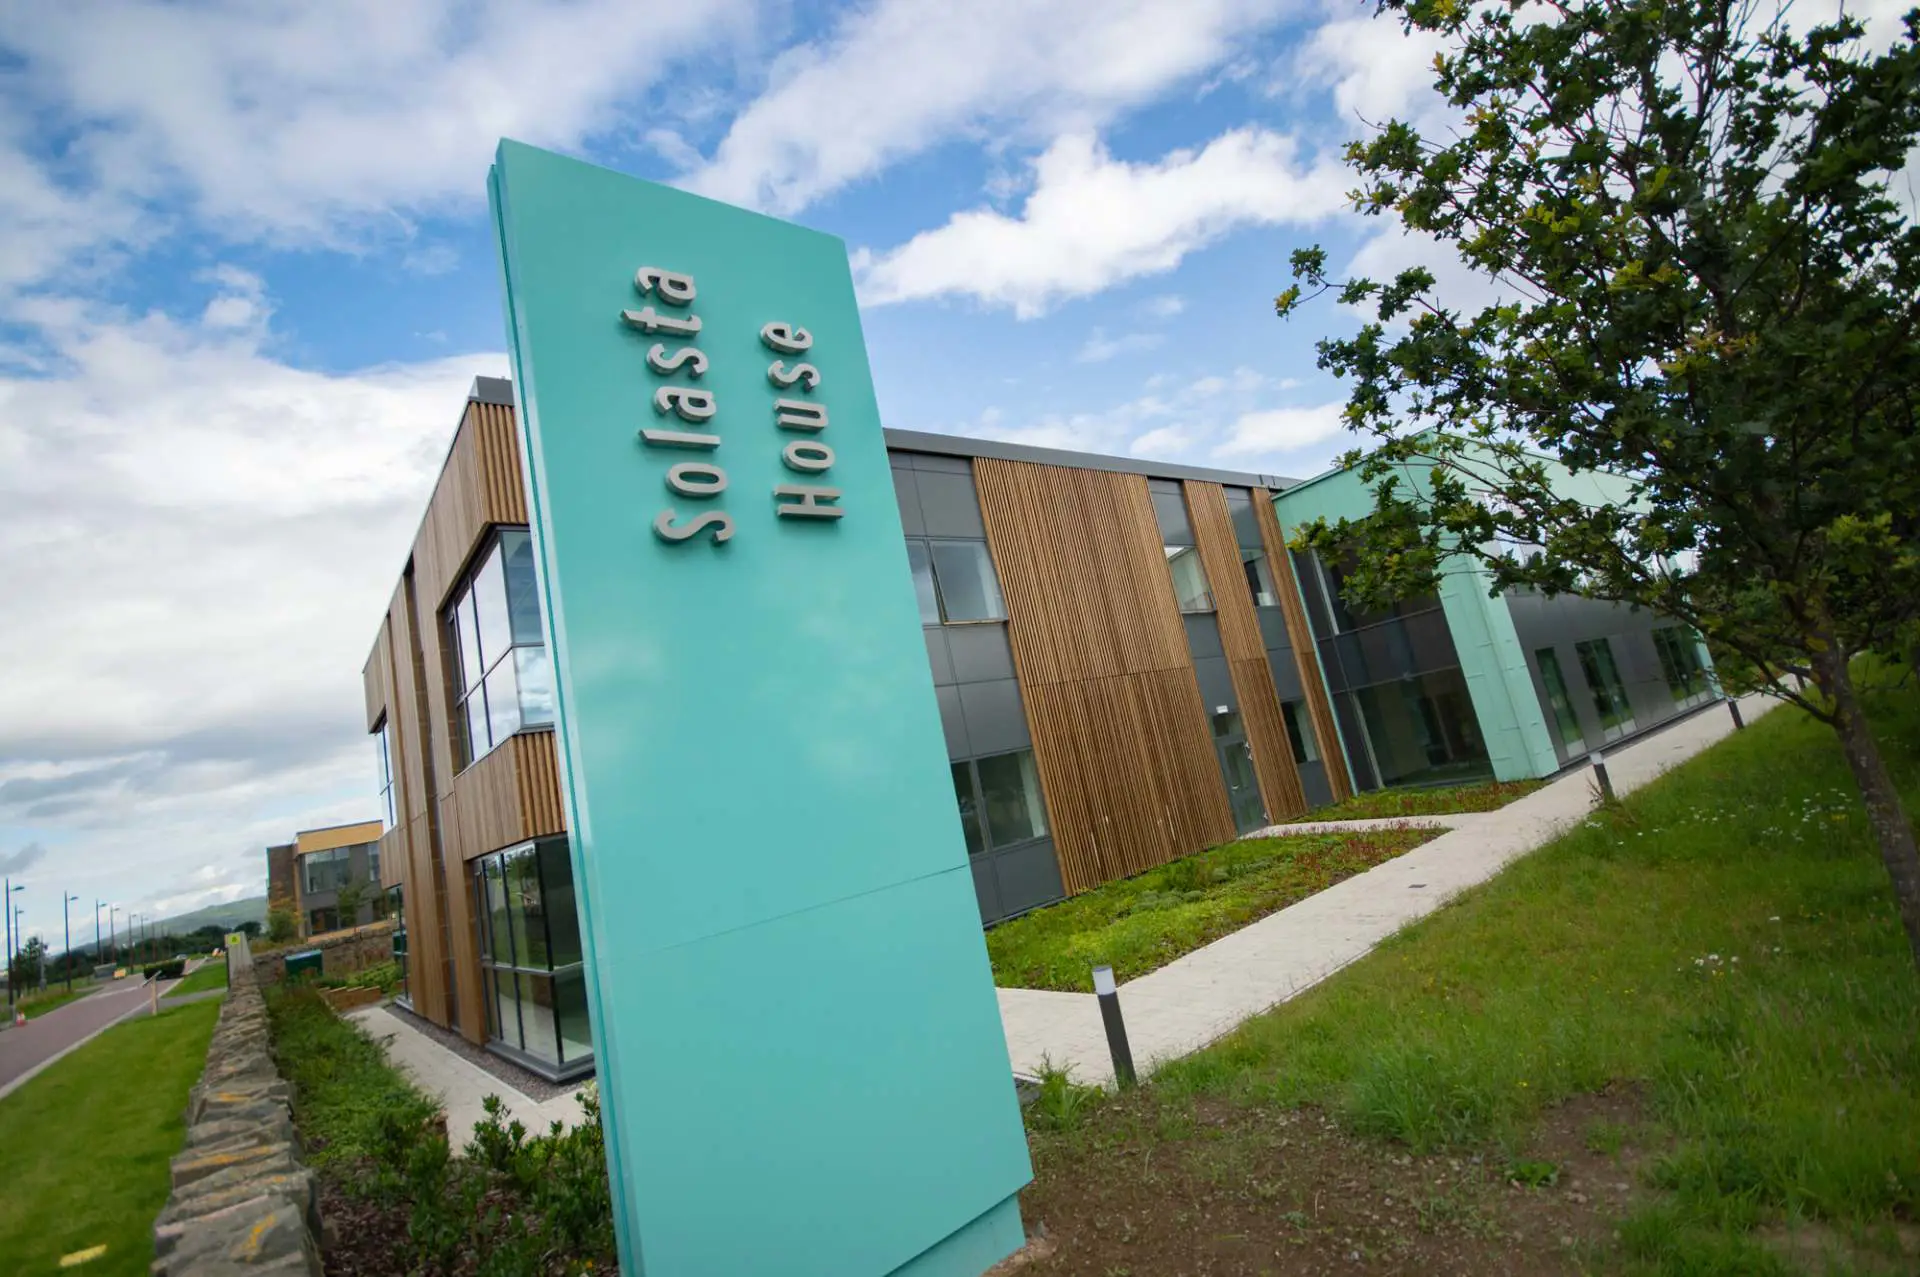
{"x":1236,"y":769}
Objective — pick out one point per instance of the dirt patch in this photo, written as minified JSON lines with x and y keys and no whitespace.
{"x":1216,"y":1188}
{"x":362,"y":1236}
{"x":1890,"y":1249}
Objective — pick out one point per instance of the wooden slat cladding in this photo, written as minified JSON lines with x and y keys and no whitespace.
{"x":376,"y":677}
{"x":479,"y":486}
{"x":1305,"y":653}
{"x":1082,"y":572}
{"x":1246,"y":650}
{"x":1120,"y":737}
{"x":1129,"y":773}
{"x":509,"y":796}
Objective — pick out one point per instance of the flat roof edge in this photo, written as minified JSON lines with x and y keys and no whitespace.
{"x":965,"y":446}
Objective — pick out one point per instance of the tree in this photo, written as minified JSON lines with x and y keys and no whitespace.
{"x":1708,"y":286}
{"x":28,"y":965}
{"x":348,"y":902}
{"x":281,"y":926}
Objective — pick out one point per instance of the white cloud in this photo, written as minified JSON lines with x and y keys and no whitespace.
{"x":315,"y":123}
{"x":1377,"y":71}
{"x":1231,"y":420}
{"x":1098,"y":348}
{"x":1165,"y":306}
{"x":196,"y":544}
{"x":1093,"y":222}
{"x":1281,"y":431}
{"x":901,"y":75}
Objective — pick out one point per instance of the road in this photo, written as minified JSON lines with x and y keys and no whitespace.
{"x":25,"y":1048}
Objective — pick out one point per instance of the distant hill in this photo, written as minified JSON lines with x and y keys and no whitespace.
{"x":228,"y":916}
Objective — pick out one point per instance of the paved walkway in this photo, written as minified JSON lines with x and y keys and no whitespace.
{"x":31,"y":1047}
{"x":460,"y":1085}
{"x":1206,"y":994}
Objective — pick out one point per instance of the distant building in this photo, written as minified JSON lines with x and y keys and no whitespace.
{"x":309,"y":875}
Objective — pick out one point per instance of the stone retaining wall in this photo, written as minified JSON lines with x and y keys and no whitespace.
{"x":243,"y":1205}
{"x":342,"y":953}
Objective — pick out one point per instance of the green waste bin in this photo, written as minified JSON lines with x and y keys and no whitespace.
{"x":306,"y":963}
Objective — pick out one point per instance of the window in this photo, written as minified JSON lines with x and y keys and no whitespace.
{"x":396,"y":909}
{"x":327,"y":870}
{"x":533,"y":982}
{"x":955,"y":582}
{"x":1189,"y":579}
{"x":383,"y":750}
{"x":1304,"y":748}
{"x":1564,"y":717}
{"x":321,"y":921}
{"x":1422,"y":730}
{"x":502,"y":680}
{"x":373,"y":862}
{"x":1000,"y":802}
{"x":1609,"y":693}
{"x":1680,"y":662}
{"x":1259,"y":578}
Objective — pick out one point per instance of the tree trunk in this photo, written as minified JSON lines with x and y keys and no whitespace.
{"x":1891,"y":828}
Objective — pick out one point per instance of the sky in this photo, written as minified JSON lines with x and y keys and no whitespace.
{"x":246,"y":281}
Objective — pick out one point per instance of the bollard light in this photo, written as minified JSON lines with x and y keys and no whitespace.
{"x":1599,"y":761}
{"x":1109,"y":995}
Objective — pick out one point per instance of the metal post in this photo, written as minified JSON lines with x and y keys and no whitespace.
{"x":1599,"y":761}
{"x":66,"y":937}
{"x":1109,"y":996}
{"x":113,"y":934}
{"x":1733,"y":708}
{"x":6,"y":907}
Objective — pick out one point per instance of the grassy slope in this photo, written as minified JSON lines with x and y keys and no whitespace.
{"x":1146,"y":921}
{"x":1387,"y":803}
{"x":84,"y":1146}
{"x":1784,"y":1087}
{"x":212,"y":975}
{"x":1787,"y":1083}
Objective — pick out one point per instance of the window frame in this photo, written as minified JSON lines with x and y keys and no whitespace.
{"x":383,"y":753}
{"x":461,"y":613}
{"x":517,"y":936}
{"x":1625,"y":725}
{"x":342,"y":856}
{"x":984,"y":822}
{"x":1687,"y":680}
{"x":1306,"y":749}
{"x":1190,"y":554}
{"x":926,"y":546}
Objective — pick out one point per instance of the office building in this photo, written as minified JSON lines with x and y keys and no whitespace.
{"x":1130,"y":666}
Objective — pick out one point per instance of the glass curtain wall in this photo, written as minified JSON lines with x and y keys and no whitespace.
{"x":502,"y":681}
{"x":1566,"y":719}
{"x":1000,"y":803}
{"x":383,"y":747}
{"x":1680,"y":663}
{"x":396,"y":907}
{"x":1609,"y":692}
{"x":530,"y":961}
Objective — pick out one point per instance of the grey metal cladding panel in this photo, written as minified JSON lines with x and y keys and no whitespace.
{"x":1164,"y":487}
{"x":953,"y":721}
{"x":1273,"y":628}
{"x":949,"y":505}
{"x":986,"y":890}
{"x":1313,"y":779}
{"x":1539,"y":621}
{"x":934,"y":463}
{"x":900,"y":460}
{"x":1203,"y":635}
{"x":980,"y":653}
{"x":1216,"y":683}
{"x":908,"y":493}
{"x":939,"y":659}
{"x":1029,"y":876}
{"x":1246,"y":528}
{"x":1286,"y":674}
{"x":996,"y":723}
{"x":1170,"y":509}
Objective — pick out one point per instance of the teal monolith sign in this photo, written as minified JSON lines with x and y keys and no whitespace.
{"x":802,"y":1069}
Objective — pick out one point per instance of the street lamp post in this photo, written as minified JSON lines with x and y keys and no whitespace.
{"x":6,"y":910}
{"x":113,"y":937}
{"x":66,"y":937}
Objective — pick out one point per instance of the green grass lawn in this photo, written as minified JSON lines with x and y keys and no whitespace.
{"x":1387,"y":803}
{"x":84,"y":1146}
{"x":1146,"y":921}
{"x":1722,"y":950}
{"x":212,"y":975}
{"x":55,"y":996}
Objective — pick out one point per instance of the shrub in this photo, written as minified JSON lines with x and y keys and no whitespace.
{"x":171,"y":969}
{"x":281,"y":926}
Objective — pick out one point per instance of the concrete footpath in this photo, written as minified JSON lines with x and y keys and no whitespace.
{"x":459,"y":1085}
{"x":1208,"y":993}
